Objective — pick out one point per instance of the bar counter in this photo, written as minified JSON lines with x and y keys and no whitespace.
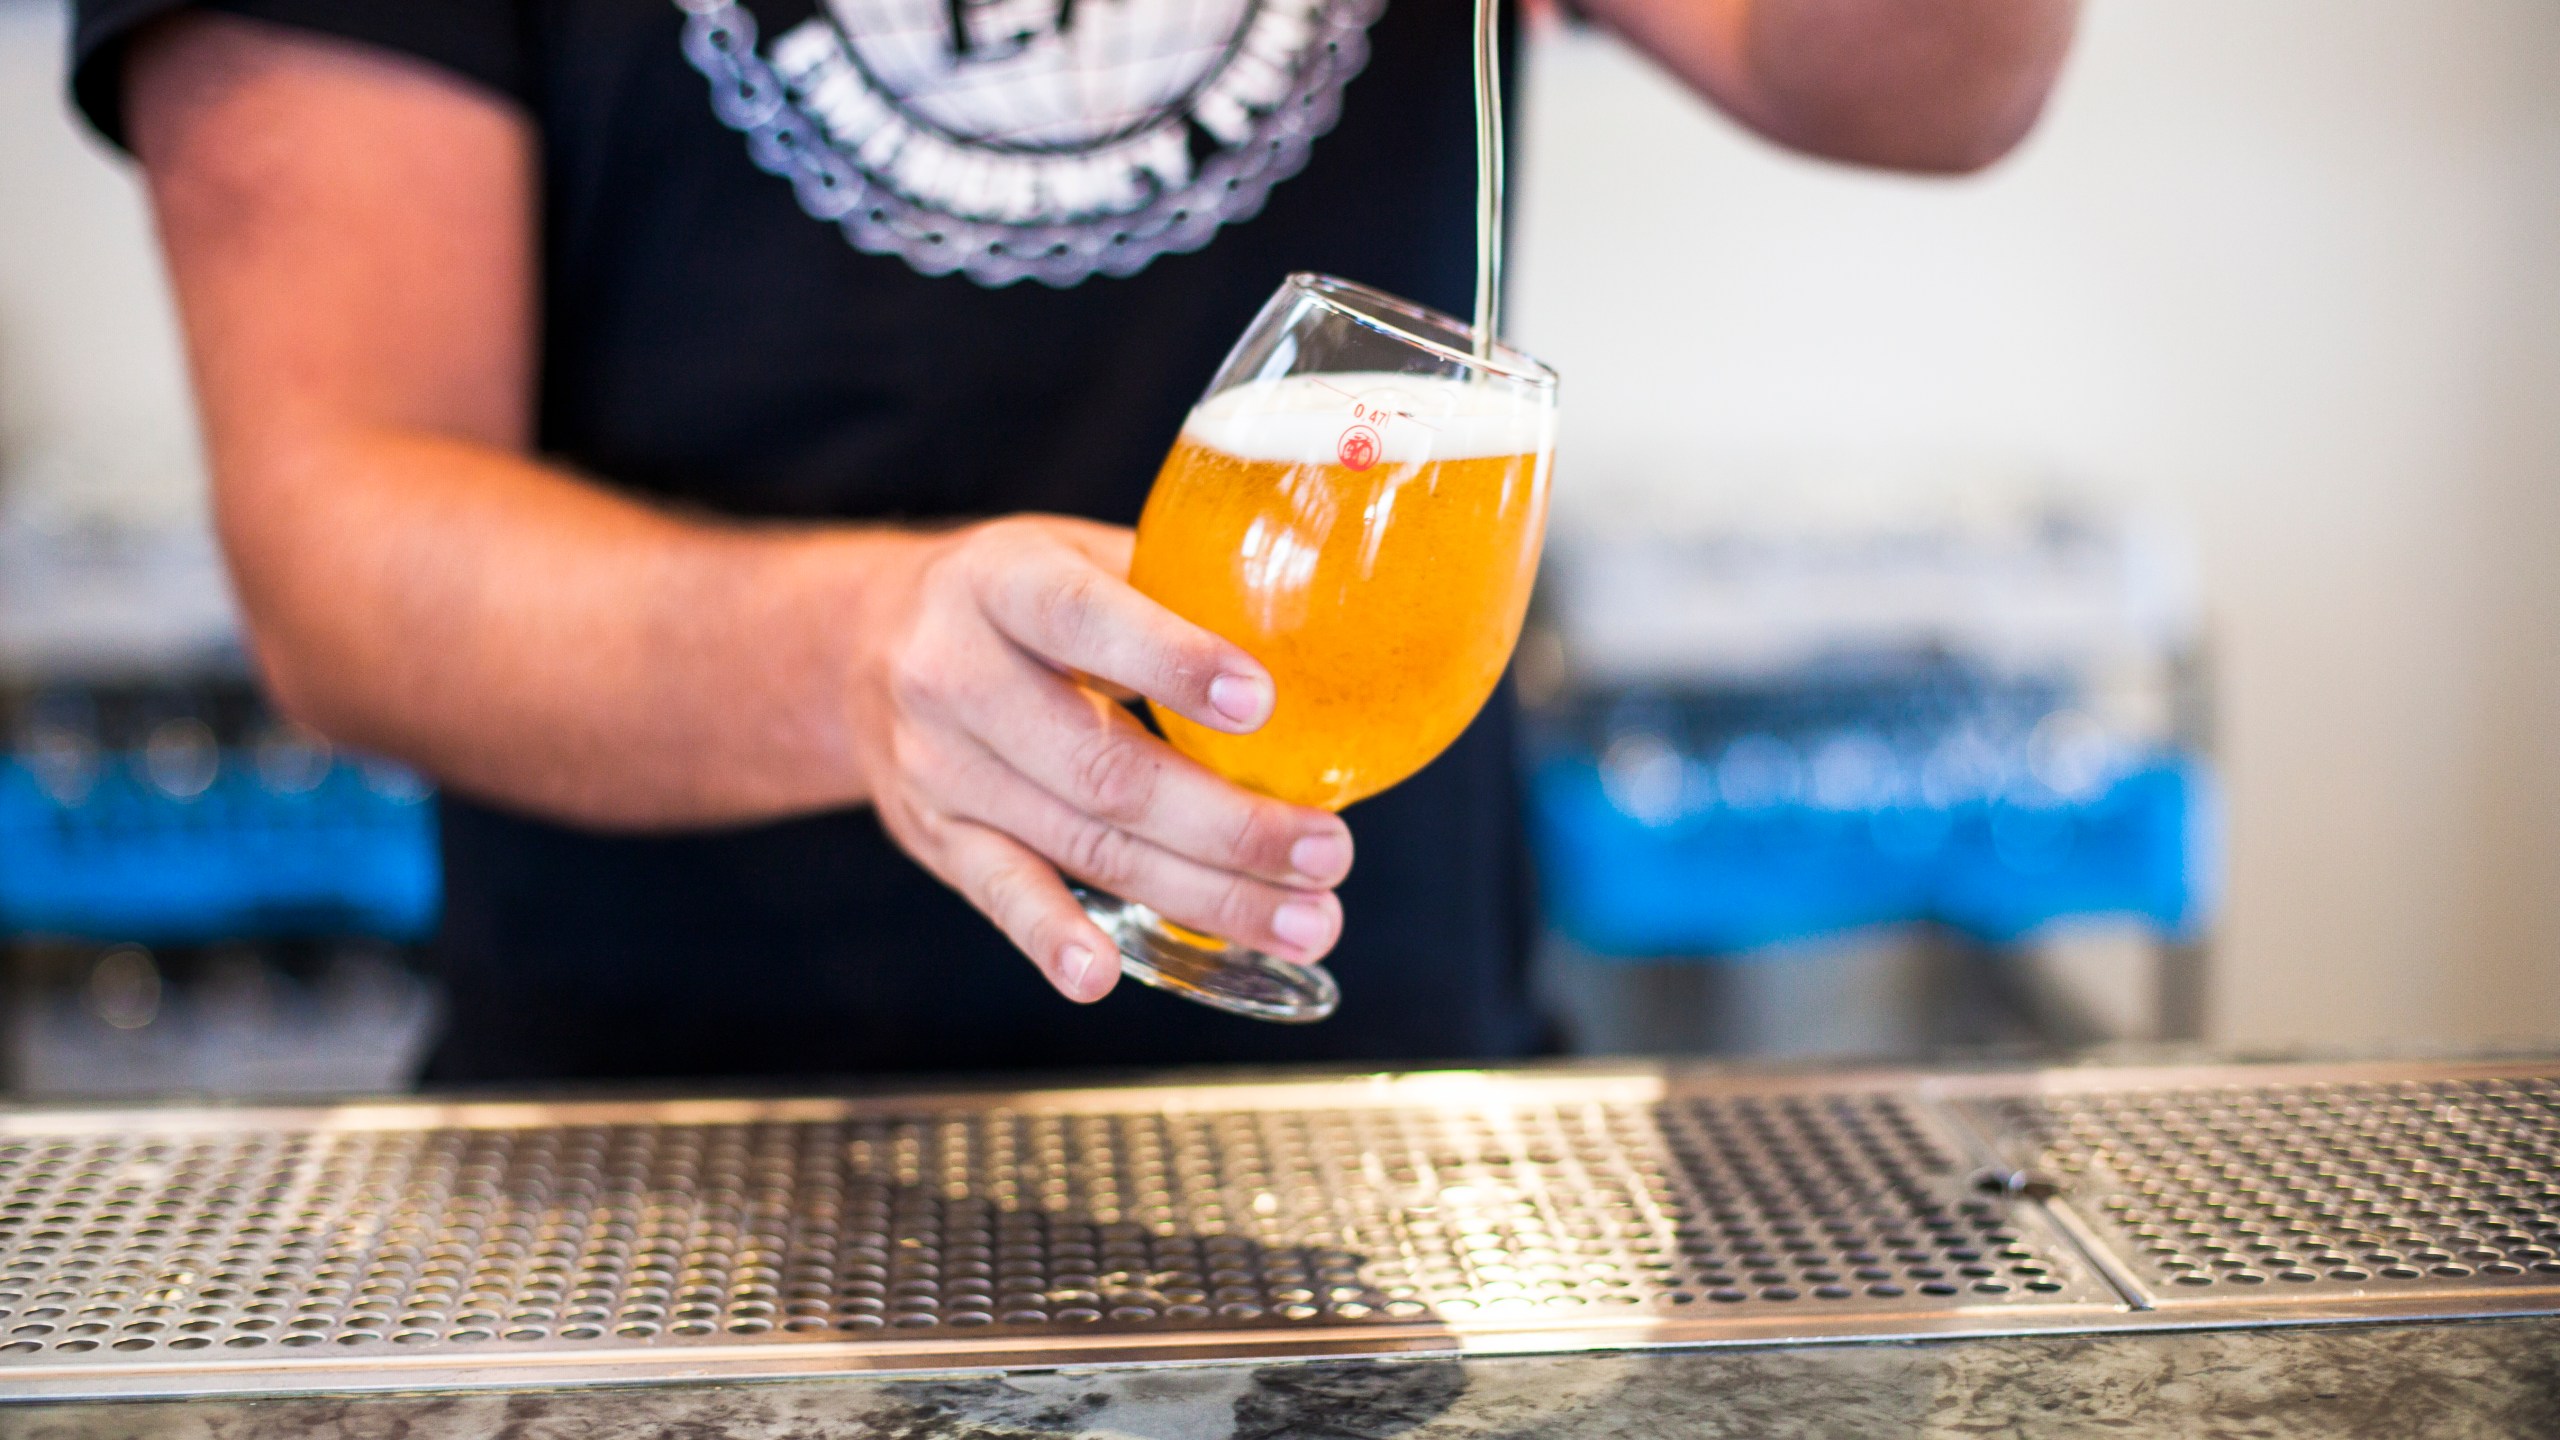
{"x":2359,"y":1382}
{"x":2334,"y":1250}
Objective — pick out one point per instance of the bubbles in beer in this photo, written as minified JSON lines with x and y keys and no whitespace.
{"x":1370,"y":538}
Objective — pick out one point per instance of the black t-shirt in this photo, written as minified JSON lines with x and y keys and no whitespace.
{"x":929,"y":258}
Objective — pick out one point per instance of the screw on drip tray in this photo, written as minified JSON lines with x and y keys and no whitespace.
{"x":2023,"y":1184}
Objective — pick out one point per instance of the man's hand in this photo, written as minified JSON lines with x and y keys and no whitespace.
{"x":1945,"y":86}
{"x":993,"y":767}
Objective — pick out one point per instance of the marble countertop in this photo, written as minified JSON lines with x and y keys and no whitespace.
{"x":2343,"y":1382}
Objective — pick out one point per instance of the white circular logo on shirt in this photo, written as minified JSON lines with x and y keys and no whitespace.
{"x":1042,"y":139}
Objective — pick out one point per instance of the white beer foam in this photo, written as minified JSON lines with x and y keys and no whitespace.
{"x":1311,"y":419}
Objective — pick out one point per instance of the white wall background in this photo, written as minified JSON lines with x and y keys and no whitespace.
{"x":93,"y":409}
{"x":2290,"y":268}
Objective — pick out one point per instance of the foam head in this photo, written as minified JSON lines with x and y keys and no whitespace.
{"x":1364,"y":418}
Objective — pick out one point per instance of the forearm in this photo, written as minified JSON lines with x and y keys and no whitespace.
{"x":527,"y":637}
{"x":1925,"y":85}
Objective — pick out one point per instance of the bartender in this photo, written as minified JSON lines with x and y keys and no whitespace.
{"x":702,"y":436}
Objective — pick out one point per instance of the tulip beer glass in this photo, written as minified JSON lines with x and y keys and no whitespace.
{"x":1358,"y":501}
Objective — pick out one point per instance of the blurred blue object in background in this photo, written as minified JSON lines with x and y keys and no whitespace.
{"x":1724,"y":877}
{"x":1794,"y":706}
{"x":202,"y":819}
{"x":353,"y":855}
{"x":1710,"y":820}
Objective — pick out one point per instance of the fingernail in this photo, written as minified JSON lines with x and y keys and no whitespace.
{"x":1303,"y":924}
{"x":1321,"y":858}
{"x":1245,"y":699}
{"x":1075,"y":966}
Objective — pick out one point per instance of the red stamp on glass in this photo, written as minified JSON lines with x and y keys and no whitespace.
{"x":1359,"y":448}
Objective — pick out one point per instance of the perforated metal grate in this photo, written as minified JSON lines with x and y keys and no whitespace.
{"x":158,"y":1252}
{"x":1842,"y":1197}
{"x":1017,"y":1222}
{"x":2350,"y":1188}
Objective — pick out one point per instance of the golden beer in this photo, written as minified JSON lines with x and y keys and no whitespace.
{"x":1372,"y":541}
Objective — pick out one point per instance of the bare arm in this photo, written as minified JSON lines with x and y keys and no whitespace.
{"x":1928,"y":85}
{"x":352,"y":241}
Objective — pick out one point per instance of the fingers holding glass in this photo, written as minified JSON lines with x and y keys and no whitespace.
{"x":1053,"y":599}
{"x":1297,"y":921}
{"x":1021,"y":893}
{"x":1097,"y":759}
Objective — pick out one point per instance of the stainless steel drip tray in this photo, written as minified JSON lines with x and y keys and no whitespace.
{"x":421,"y":1245}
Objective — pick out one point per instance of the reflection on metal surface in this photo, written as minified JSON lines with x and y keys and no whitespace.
{"x":2310,"y":1191}
{"x":157,"y":1251}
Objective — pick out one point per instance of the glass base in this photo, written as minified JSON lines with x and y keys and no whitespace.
{"x":1226,"y":976}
